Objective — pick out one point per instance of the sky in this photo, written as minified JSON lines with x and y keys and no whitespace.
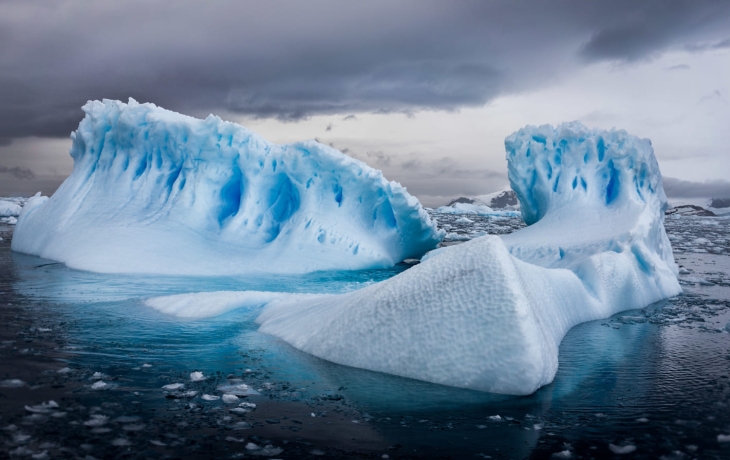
{"x":424,"y":90}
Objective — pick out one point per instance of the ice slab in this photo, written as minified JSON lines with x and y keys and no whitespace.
{"x":154,"y":191}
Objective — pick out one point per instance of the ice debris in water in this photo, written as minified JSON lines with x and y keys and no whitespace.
{"x":196,"y":376}
{"x":565,"y":454}
{"x":43,"y":408}
{"x":64,"y":370}
{"x":238,"y":389}
{"x":100,"y":385}
{"x":230,"y":399}
{"x":595,"y":245}
{"x":621,"y":450}
{"x":210,"y":397}
{"x":247,"y":405}
{"x":97,"y":420}
{"x":268,"y":450}
{"x":12,"y":383}
{"x":723,"y":438}
{"x":173,"y":386}
{"x":148,"y":182}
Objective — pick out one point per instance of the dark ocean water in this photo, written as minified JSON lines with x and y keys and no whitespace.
{"x":646,"y":383}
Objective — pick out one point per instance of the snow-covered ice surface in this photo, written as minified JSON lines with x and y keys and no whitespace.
{"x":154,"y":191}
{"x":490,"y":314}
{"x":482,"y":210}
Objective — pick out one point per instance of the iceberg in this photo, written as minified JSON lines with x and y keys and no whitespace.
{"x":489,"y":314}
{"x":154,"y":191}
{"x":9,"y":209}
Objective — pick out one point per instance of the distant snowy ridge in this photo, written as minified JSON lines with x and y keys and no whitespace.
{"x":154,"y":191}
{"x":489,"y":314}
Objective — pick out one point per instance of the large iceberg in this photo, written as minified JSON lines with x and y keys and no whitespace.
{"x":154,"y":191}
{"x":490,"y":314}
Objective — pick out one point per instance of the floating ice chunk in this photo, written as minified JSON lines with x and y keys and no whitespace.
{"x":43,"y":408}
{"x":197,"y":376}
{"x":463,"y":220}
{"x":239,"y":410}
{"x":9,"y":209}
{"x":232,"y":439}
{"x":210,"y":397}
{"x":146,"y":365}
{"x":157,"y":443}
{"x":565,"y":454}
{"x":267,"y":451}
{"x":489,"y":314}
{"x":723,"y":438}
{"x":161,"y":192}
{"x":495,"y":418}
{"x":642,"y":420}
{"x":238,"y":426}
{"x":621,"y":450}
{"x":12,"y":383}
{"x":230,"y":399}
{"x":64,"y":370}
{"x":97,"y":420}
{"x":247,"y":405}
{"x":173,"y":386}
{"x":97,"y":376}
{"x":100,"y":385}
{"x":238,"y":389}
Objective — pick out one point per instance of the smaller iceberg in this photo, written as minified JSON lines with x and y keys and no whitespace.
{"x":154,"y":191}
{"x":490,"y":314}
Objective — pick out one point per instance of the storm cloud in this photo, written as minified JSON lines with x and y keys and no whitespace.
{"x":290,"y":59}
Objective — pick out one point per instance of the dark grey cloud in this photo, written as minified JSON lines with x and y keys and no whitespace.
{"x":17,"y":172}
{"x":678,"y":188}
{"x":291,"y":59}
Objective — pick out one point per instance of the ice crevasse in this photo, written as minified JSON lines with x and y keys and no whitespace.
{"x":490,"y":314}
{"x":154,"y":191}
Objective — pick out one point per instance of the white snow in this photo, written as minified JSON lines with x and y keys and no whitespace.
{"x":154,"y":191}
{"x":490,"y":314}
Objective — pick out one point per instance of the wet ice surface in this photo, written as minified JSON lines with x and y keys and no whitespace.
{"x":642,"y":384}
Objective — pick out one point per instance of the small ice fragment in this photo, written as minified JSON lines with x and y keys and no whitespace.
{"x":97,"y":376}
{"x":537,"y":427}
{"x":157,"y":443}
{"x":247,"y":405}
{"x":20,"y":438}
{"x":312,"y":415}
{"x":146,"y":365}
{"x":316,"y":452}
{"x":230,"y":399}
{"x":620,"y":450}
{"x":355,"y":421}
{"x":723,"y":438}
{"x":266,"y":451}
{"x":43,"y":408}
{"x":121,"y":442}
{"x":40,"y":456}
{"x":239,"y":411}
{"x":173,"y":386}
{"x":12,"y":383}
{"x":232,"y":439}
{"x":43,"y":329}
{"x":97,"y":420}
{"x":495,"y":418}
{"x":642,"y":420}
{"x":100,"y":385}
{"x":563,"y":454}
{"x":481,"y":427}
{"x":691,"y":447}
{"x":210,"y":397}
{"x":196,"y":376}
{"x":238,"y":389}
{"x":65,"y":370}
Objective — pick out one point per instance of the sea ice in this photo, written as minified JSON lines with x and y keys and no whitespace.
{"x":154,"y":191}
{"x":197,"y":376}
{"x":9,"y":209}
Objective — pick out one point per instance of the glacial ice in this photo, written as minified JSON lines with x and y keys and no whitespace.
{"x":9,"y":209}
{"x":154,"y":191}
{"x":489,"y":314}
